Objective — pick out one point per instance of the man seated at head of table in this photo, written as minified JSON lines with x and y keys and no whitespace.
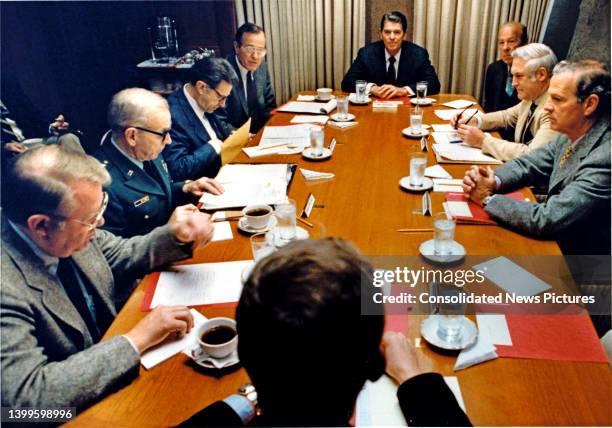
{"x":253,"y":96}
{"x":392,"y":66}
{"x":531,"y":72}
{"x":60,"y":279}
{"x":499,"y":93}
{"x":141,"y":194}
{"x":197,"y":134}
{"x":574,"y":167}
{"x":308,"y":349}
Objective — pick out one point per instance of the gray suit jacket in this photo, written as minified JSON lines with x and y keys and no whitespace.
{"x":577,"y":211}
{"x":47,"y":356}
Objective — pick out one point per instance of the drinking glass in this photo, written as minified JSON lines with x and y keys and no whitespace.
{"x":342,"y":107}
{"x":360,"y":91}
{"x":421,"y":90}
{"x":317,"y":136}
{"x":444,"y":233}
{"x":418,"y":163}
{"x":285,"y":216}
{"x":416,"y":120}
{"x":451,"y":316}
{"x":262,"y":245}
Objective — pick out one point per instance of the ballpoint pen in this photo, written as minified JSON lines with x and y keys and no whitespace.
{"x":461,"y":114}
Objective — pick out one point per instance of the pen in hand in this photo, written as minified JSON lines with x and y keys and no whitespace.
{"x":459,"y":117}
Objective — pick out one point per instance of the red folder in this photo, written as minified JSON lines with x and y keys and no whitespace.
{"x":479,"y":215}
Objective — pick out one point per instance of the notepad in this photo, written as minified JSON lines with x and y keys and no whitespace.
{"x":446,"y":137}
{"x":436,"y":171}
{"x":458,"y":104}
{"x":511,"y":277}
{"x":447,"y":185}
{"x":461,"y":153}
{"x":449,"y":114}
{"x":310,"y":119}
{"x":308,"y":107}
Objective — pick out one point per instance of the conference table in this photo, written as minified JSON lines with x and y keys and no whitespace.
{"x":365,"y":204}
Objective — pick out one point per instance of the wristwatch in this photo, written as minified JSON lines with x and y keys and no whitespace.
{"x":187,"y":183}
{"x":487,"y":199}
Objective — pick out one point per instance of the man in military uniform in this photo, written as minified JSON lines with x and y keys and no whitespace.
{"x":142,"y":194}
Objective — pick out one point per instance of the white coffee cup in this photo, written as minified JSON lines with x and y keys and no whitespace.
{"x":324,"y":93}
{"x":218,"y":325}
{"x":257,"y":216}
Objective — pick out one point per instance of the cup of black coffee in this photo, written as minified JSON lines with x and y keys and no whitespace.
{"x":218,"y":337}
{"x":257,"y":216}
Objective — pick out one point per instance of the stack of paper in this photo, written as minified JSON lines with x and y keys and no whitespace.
{"x":291,"y":135}
{"x":308,"y":107}
{"x":461,"y":153}
{"x":315,"y":175}
{"x":386,"y":104}
{"x":458,"y":104}
{"x":309,"y":119}
{"x":249,"y":184}
{"x":449,"y":114}
{"x":305,"y":97}
{"x":436,"y":171}
{"x":447,"y":185}
{"x":443,"y":128}
{"x":446,"y":137}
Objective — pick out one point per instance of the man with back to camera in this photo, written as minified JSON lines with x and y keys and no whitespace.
{"x":60,"y":281}
{"x":142,"y":195}
{"x":531,"y":72}
{"x":253,"y":95}
{"x":392,"y":66}
{"x":308,"y":349}
{"x":574,"y":167}
{"x":197,"y":134}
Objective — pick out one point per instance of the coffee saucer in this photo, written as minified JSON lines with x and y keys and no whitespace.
{"x":320,"y":100}
{"x":353,"y":100}
{"x":457,"y":252}
{"x":408,"y":132}
{"x":422,"y":102}
{"x":204,"y":360}
{"x":347,"y":118}
{"x":243,"y":226}
{"x":405,"y":184}
{"x":308,"y":154}
{"x":429,"y":331}
{"x":300,"y":233}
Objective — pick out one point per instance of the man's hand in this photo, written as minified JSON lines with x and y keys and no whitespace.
{"x":455,"y":121}
{"x":192,"y":226}
{"x":203,"y":184}
{"x":159,"y":324}
{"x":59,"y":125}
{"x":388,"y":91}
{"x":479,"y":183}
{"x":15,"y":147}
{"x":400,"y":355}
{"x":471,"y":135}
{"x":182,"y":213}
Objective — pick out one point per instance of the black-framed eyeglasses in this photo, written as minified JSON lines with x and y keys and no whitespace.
{"x":163,"y":134}
{"x":220,"y":96}
{"x":96,"y":221}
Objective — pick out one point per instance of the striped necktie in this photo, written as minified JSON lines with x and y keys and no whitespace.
{"x":526,"y":135}
{"x":566,"y":155}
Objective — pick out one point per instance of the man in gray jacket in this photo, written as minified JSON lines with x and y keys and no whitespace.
{"x":575,"y":167}
{"x":61,"y":277}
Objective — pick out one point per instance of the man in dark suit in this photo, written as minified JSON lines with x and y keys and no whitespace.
{"x":499,"y":94}
{"x":392,"y":67}
{"x":197,"y":134}
{"x":142,"y":195}
{"x":253,"y":96}
{"x":61,"y":277}
{"x":308,"y":349}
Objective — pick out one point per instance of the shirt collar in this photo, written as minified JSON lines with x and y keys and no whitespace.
{"x":49,"y":261}
{"x":243,"y":70}
{"x":193,"y":103}
{"x":138,"y":163}
{"x":397,"y":55}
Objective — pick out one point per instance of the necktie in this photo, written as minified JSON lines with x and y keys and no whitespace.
{"x":566,"y":155}
{"x":251,"y":94}
{"x":526,"y":135}
{"x":509,"y":87}
{"x":151,"y":171}
{"x":10,"y":130}
{"x":391,"y":71}
{"x":68,"y":276}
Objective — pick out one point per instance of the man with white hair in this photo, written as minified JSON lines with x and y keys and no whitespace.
{"x":532,"y":67}
{"x":142,"y":195}
{"x":61,"y":276}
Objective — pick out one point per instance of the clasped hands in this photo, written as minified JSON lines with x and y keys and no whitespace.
{"x":479,"y":182}
{"x":388,"y":91}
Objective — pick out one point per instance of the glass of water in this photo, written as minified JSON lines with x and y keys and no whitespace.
{"x":418,"y":163}
{"x":262,"y":245}
{"x":444,"y":233}
{"x":416,"y":120}
{"x":451,"y":316}
{"x":342,"y":107}
{"x":285,"y":216}
{"x":421,"y":91}
{"x":360,"y":91}
{"x":317,"y":136}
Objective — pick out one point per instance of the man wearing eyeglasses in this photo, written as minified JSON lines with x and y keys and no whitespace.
{"x":63,"y":281}
{"x":197,"y":134}
{"x":253,"y":97}
{"x":142,"y":194}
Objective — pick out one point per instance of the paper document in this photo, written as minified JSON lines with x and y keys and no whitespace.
{"x":234,"y":143}
{"x":443,"y":128}
{"x":171,"y":346}
{"x":256,"y":152}
{"x":447,"y":185}
{"x":449,"y":114}
{"x":457,"y":209}
{"x":310,"y":119}
{"x":386,"y":104}
{"x":222,"y":231}
{"x":342,"y":125}
{"x":307,"y":107}
{"x":315,"y":175}
{"x":249,"y":184}
{"x":291,"y":136}
{"x":446,"y":137}
{"x":461,"y":153}
{"x":458,"y":104}
{"x":436,"y":171}
{"x":305,"y":97}
{"x":511,"y":277}
{"x":200,"y":284}
{"x":481,"y":351}
{"x":495,"y":328}
{"x":377,"y":403}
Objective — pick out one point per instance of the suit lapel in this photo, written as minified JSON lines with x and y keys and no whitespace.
{"x":197,"y":127}
{"x":380,"y":63}
{"x":402,"y":77}
{"x":98,"y":280}
{"x":240,"y":89}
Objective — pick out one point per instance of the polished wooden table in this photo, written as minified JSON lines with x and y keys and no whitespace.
{"x":364,"y":203}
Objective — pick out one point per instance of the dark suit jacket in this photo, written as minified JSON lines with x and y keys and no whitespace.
{"x":495,"y":96}
{"x":137,"y":203}
{"x":425,"y":400}
{"x":414,"y":66}
{"x":236,"y":111}
{"x":577,"y":211}
{"x":189,"y":156}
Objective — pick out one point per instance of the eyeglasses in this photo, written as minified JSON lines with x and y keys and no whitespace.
{"x":164,"y":133}
{"x":99,"y":214}
{"x":220,"y":96}
{"x":252,"y":50}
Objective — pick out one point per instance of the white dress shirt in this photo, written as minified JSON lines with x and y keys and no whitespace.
{"x":397,"y":61}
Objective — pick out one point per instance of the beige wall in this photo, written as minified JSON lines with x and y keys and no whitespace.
{"x":375,"y":9}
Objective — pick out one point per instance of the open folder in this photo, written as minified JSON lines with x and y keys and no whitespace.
{"x":234,"y":143}
{"x":308,"y":107}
